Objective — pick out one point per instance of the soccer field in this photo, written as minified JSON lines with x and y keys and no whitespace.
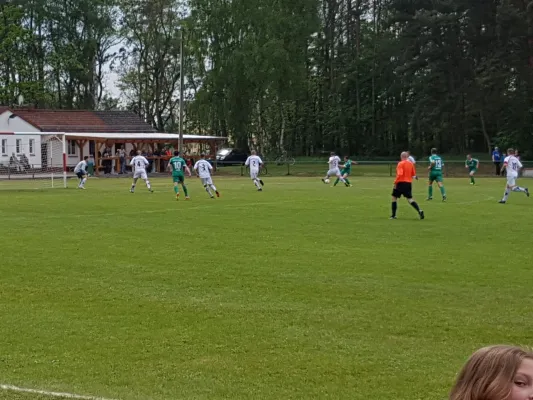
{"x":302,"y":291}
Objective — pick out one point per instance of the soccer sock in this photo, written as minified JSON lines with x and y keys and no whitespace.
{"x":415,"y":206}
{"x":132,"y":186}
{"x":148,"y":184}
{"x":83,"y":181}
{"x":256,"y":182}
{"x":347,"y":181}
{"x":519,"y":189}
{"x":176,"y":189}
{"x":472,"y":179}
{"x":337,"y":181}
{"x":394,"y":208}
{"x":214,"y":187}
{"x":442,"y":191}
{"x":506,"y":194}
{"x":430,"y":191}
{"x":208,"y":190}
{"x":185,"y":191}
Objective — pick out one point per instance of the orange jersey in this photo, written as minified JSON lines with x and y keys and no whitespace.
{"x":405,"y":172}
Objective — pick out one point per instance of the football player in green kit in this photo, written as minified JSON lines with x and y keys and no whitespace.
{"x":177,"y":164}
{"x":472,"y":164}
{"x":435,"y":174}
{"x":346,"y":170}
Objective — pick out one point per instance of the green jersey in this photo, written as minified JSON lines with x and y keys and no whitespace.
{"x":347,"y":167}
{"x":177,"y":164}
{"x":436,"y":164}
{"x":472,"y":164}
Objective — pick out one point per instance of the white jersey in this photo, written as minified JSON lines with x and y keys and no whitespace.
{"x":203,"y":168}
{"x":81,"y":167}
{"x":411,"y":160}
{"x":254,"y":162}
{"x":513,"y":166}
{"x":139,"y":163}
{"x":334,"y":162}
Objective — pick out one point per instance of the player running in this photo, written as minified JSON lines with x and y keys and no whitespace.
{"x":435,"y":174}
{"x":512,"y":165}
{"x":334,"y":170}
{"x":403,"y":185}
{"x":346,"y":170}
{"x":138,"y":165}
{"x":255,"y":163}
{"x":203,"y":169}
{"x":81,"y":172}
{"x":472,"y":164}
{"x":177,"y":164}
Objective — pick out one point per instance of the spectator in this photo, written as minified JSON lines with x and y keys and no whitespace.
{"x":25,"y":162}
{"x":157,"y":161}
{"x":122,"y":159}
{"x":14,"y":163}
{"x":107,"y":163}
{"x":497,"y":160}
{"x":496,"y":373}
{"x":90,"y":165}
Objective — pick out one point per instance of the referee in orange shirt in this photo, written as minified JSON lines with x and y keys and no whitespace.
{"x":405,"y":171}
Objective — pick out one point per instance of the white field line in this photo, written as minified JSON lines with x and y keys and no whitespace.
{"x":13,"y":388}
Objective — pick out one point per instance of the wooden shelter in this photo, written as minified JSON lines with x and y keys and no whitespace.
{"x":139,"y":141}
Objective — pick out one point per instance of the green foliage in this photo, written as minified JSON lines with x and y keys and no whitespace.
{"x":367,"y":77}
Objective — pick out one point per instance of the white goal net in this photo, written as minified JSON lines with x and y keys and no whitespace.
{"x":32,"y":161}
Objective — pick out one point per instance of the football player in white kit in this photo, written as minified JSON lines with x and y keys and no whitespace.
{"x":138,"y":165}
{"x":334,"y":170}
{"x":203,"y":169}
{"x":81,"y":172}
{"x":412,"y":161}
{"x":255,"y":163}
{"x":512,"y":165}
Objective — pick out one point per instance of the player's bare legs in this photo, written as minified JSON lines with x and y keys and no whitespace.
{"x":148,"y":185}
{"x":134,"y":183}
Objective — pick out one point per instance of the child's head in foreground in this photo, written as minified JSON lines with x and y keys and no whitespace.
{"x":496,"y":373}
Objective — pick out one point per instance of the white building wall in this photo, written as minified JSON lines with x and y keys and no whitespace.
{"x":8,"y":143}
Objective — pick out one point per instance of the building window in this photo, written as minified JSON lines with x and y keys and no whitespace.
{"x":4,"y":147}
{"x":71,"y":147}
{"x":32,"y":146}
{"x":18,"y":146}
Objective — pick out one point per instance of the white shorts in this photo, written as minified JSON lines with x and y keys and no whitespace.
{"x":335,"y":171}
{"x":207,"y":181}
{"x":140,"y":174}
{"x":254,"y":173}
{"x":511,"y":181}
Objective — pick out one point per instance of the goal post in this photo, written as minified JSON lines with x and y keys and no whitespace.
{"x":33,"y":160}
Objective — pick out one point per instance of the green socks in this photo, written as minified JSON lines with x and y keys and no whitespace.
{"x":337,"y":181}
{"x":430,"y":191}
{"x":347,"y":181}
{"x":176,"y":189}
{"x":472,"y":180}
{"x":442,"y":191}
{"x":185,"y":190}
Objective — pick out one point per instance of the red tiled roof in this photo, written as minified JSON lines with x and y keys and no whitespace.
{"x":84,"y":121}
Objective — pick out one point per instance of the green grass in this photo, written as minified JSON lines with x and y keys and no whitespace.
{"x":299,"y":292}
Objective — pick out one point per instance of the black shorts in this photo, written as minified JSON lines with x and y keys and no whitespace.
{"x":80,"y":174}
{"x":403,"y":189}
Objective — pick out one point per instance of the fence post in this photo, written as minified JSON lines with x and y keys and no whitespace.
{"x":288,"y":168}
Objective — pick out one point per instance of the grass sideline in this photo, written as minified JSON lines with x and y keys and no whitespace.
{"x":301,"y":291}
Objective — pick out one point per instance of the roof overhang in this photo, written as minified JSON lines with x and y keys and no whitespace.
{"x":130,"y":137}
